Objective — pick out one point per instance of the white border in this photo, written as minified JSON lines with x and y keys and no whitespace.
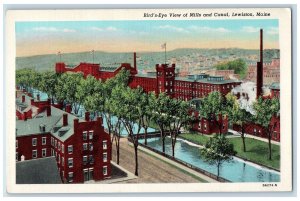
{"x":284,"y":16}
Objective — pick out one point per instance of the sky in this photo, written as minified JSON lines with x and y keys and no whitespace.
{"x":38,"y":38}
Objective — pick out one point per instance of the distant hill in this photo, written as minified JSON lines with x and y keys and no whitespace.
{"x":145,"y":60}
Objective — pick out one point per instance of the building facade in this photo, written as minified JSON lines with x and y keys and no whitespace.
{"x":81,"y":147}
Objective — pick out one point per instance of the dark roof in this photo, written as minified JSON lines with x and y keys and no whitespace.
{"x":205,"y":80}
{"x":38,"y":171}
{"x":53,"y":124}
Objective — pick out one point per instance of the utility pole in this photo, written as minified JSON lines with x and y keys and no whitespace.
{"x":59,"y":55}
{"x":93,"y":52}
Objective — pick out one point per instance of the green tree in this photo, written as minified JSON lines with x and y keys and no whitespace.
{"x":146,"y":112}
{"x":161,"y":107}
{"x":179,"y":116}
{"x":67,"y":87}
{"x":27,"y":79}
{"x":129,"y":112}
{"x":265,"y":109}
{"x":105,"y":102}
{"x":212,"y":108}
{"x":239,"y":66}
{"x":48,"y":82}
{"x":218,"y":150}
{"x":238,"y":116}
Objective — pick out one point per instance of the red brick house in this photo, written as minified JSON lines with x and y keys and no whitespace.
{"x":81,"y":147}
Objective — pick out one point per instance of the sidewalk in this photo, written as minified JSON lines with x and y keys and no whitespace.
{"x":253,"y":137}
{"x":193,"y":172}
{"x":130,"y":176}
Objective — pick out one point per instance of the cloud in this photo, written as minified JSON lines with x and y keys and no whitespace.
{"x":272,"y":30}
{"x":52,"y":29}
{"x":209,"y":29}
{"x":250,"y":29}
{"x":69,"y":30}
{"x":104,"y":29}
{"x":173,"y":28}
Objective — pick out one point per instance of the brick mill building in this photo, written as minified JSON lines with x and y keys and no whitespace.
{"x":81,"y":147}
{"x":163,"y":79}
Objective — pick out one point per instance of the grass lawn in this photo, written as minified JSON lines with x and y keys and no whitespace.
{"x":257,"y":151}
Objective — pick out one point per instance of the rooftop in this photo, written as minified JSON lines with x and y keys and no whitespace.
{"x":53,"y":124}
{"x":38,"y":171}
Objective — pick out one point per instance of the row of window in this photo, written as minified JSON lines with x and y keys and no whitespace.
{"x":35,"y":152}
{"x":87,"y":173}
{"x":34,"y":141}
{"x":61,"y":160}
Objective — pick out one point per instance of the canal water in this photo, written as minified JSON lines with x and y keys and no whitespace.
{"x":236,"y":171}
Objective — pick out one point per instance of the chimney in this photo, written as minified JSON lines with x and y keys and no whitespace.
{"x":259,"y":76}
{"x":48,"y":109}
{"x":76,"y":121}
{"x":99,"y":119}
{"x":23,"y":98}
{"x":25,"y":116}
{"x":65,"y":119}
{"x":134,"y":60}
{"x":87,"y":116}
{"x":38,"y":97}
{"x":68,"y":108}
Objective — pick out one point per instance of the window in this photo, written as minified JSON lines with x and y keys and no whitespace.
{"x":44,"y":152}
{"x":16,"y":143}
{"x":33,"y":141}
{"x":91,"y":133}
{"x":52,"y":152}
{"x":84,"y":160}
{"x":52,"y":141}
{"x":104,"y":170}
{"x":62,"y":161}
{"x":34,"y":153}
{"x":62,"y":148}
{"x":91,"y":159}
{"x":63,"y":174}
{"x":70,"y":177}
{"x":70,"y":149}
{"x":275,"y":135}
{"x":104,"y":144}
{"x":55,"y":143}
{"x":254,"y":130}
{"x":70,"y":162}
{"x":91,"y":146}
{"x":84,"y":135}
{"x":44,"y":140}
{"x":58,"y":158}
{"x":105,"y":157}
{"x":85,"y":146}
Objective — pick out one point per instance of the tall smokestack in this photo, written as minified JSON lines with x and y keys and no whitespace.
{"x":134,"y":60}
{"x":259,"y":76}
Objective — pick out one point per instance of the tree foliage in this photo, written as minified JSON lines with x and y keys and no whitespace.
{"x":239,"y":66}
{"x":238,"y":116}
{"x":218,"y":150}
{"x":67,"y":87}
{"x":265,"y":109}
{"x":212,"y":107}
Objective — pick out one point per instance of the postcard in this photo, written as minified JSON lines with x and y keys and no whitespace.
{"x":148,"y":100}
